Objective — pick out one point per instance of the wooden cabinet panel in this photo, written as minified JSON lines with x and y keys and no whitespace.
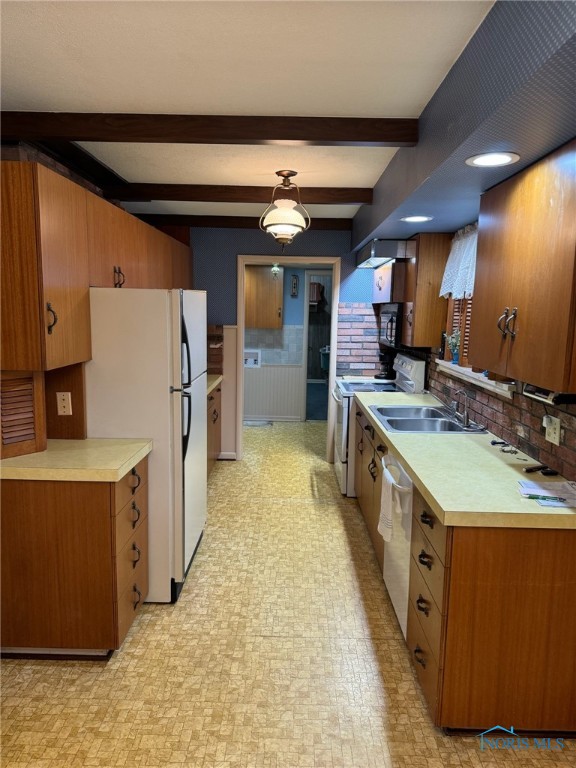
{"x":45,"y":303}
{"x":526,"y":262}
{"x":116,"y":245}
{"x":74,"y":573}
{"x":429,"y":564}
{"x":263,"y":297}
{"x":23,"y":419}
{"x":156,"y":268}
{"x":424,"y":311}
{"x":214,"y":427}
{"x":57,"y":569}
{"x":432,"y":528}
{"x":424,"y":662}
{"x":511,"y":633}
{"x":181,"y":265}
{"x":369,"y":492}
{"x":128,"y":486}
{"x":427,"y":612}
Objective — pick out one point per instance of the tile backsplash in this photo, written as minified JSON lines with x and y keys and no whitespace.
{"x":518,"y":421}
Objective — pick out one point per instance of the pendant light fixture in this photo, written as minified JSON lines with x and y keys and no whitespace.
{"x":285,"y":217}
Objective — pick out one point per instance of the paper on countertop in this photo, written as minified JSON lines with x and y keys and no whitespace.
{"x":565,"y":490}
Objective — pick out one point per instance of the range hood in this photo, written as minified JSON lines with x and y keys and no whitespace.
{"x":378,"y":252}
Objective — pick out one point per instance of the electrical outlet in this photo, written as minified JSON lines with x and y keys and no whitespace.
{"x":552,"y":430}
{"x":64,"y":403}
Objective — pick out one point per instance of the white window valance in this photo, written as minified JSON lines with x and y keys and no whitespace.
{"x":458,"y":280}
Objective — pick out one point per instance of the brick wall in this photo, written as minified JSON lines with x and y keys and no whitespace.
{"x":357,"y":340}
{"x":518,"y":421}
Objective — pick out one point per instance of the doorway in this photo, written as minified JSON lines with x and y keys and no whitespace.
{"x":317,"y":335}
{"x":317,"y":265}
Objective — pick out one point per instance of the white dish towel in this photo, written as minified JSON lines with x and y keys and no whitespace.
{"x":396,"y":495}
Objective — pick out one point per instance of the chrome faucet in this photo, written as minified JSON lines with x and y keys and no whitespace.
{"x":464,"y":416}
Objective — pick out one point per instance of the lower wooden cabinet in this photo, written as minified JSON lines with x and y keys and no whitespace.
{"x":214,"y":427}
{"x":74,"y":561}
{"x":368,"y":481}
{"x":491,"y":631}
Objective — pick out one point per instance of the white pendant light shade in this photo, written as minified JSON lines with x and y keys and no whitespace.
{"x":285,"y":218}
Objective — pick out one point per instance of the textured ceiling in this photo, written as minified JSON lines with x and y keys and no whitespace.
{"x":478,"y":75}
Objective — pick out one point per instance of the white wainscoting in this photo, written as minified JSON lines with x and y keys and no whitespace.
{"x":274,"y":393}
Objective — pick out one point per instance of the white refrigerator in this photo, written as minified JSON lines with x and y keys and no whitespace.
{"x":147,"y":378}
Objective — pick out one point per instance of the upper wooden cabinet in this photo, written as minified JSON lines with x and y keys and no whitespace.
{"x":524,"y":312}
{"x":388,"y":282}
{"x":263,"y":293}
{"x":116,"y":245}
{"x":424,"y":311}
{"x":45,"y":302}
{"x":181,"y":265}
{"x":157,"y":267}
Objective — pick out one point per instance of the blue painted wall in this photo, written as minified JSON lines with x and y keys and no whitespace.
{"x":215,"y":266}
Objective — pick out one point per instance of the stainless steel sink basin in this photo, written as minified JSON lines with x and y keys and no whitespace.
{"x":410,"y":412}
{"x":420,"y":418}
{"x":423,"y":425}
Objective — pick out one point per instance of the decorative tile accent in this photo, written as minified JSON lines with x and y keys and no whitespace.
{"x":282,"y":652}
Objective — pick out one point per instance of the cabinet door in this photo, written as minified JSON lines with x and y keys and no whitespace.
{"x":382,"y":284}
{"x":424,"y":317}
{"x":115,"y":240}
{"x":44,"y":260}
{"x":526,"y":260}
{"x":496,"y":274}
{"x":540,"y":212}
{"x":181,"y":265}
{"x":156,"y":266}
{"x":263,"y":294}
{"x":57,"y":569}
{"x":65,"y":279}
{"x":358,"y":451}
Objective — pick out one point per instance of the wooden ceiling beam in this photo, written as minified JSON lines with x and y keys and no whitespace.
{"x":210,"y":129}
{"x":237,"y":222}
{"x":216,"y":193}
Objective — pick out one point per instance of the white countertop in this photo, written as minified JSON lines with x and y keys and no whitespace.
{"x":92,"y":460}
{"x":466,"y":481}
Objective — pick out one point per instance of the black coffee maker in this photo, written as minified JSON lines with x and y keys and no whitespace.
{"x":386,"y":357}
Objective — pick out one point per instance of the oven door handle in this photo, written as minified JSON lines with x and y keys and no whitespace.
{"x":335,"y":395}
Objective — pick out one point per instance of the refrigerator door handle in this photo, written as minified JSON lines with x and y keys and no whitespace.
{"x":186,"y":435}
{"x":186,"y":345}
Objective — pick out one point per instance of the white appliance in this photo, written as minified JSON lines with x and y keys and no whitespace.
{"x":147,"y":378}
{"x":410,"y":377}
{"x":396,"y":571}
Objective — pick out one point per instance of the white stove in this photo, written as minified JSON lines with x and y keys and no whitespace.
{"x":410,"y":377}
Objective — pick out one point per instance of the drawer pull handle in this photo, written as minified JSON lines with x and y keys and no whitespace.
{"x":54,"y":317}
{"x":372,"y":470}
{"x":423,"y":605}
{"x":370,"y":430}
{"x":381,"y":448}
{"x":136,"y":549}
{"x":427,"y":519}
{"x":136,"y":509}
{"x":139,"y":599}
{"x":360,"y":446}
{"x":138,"y":479}
{"x":425,"y":559}
{"x":419,"y":656}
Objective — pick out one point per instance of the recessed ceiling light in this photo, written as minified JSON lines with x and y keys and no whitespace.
{"x":493,"y":159}
{"x":416,"y":219}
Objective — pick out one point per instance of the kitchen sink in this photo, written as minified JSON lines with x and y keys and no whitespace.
{"x":423,"y":425}
{"x":421,"y":418}
{"x":411,"y":412}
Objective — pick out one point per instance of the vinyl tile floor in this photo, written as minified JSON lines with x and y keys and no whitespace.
{"x":282,"y":652}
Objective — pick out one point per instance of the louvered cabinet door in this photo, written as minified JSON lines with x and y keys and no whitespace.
{"x":22,"y":413}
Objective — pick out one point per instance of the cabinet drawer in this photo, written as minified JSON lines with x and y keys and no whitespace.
{"x":132,"y":559}
{"x":424,"y":662}
{"x":431,"y":568}
{"x":130,"y":518}
{"x":130,"y":603}
{"x":427,"y":612}
{"x":130,"y":484}
{"x":436,"y":533}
